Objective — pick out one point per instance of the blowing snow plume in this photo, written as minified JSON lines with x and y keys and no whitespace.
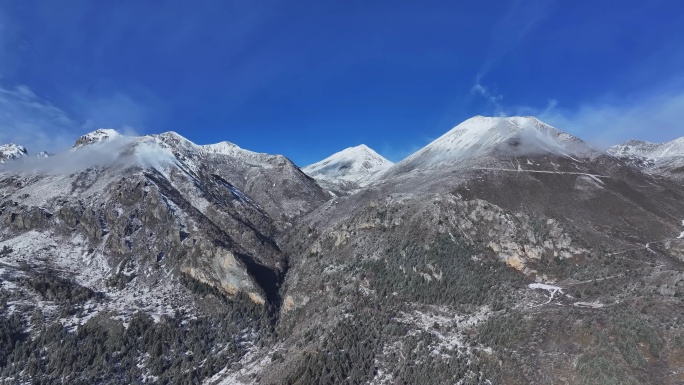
{"x":99,"y":149}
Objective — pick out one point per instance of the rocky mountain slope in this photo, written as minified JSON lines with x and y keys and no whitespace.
{"x":505,"y":252}
{"x":657,"y":158}
{"x":140,"y":224}
{"x":349,"y":169}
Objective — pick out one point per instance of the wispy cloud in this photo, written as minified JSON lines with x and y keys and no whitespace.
{"x":33,"y":122}
{"x":493,"y":98}
{"x":655,"y":117}
{"x":118,"y":111}
{"x":522,"y":17}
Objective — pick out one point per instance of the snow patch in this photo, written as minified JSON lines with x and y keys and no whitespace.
{"x":552,"y":290}
{"x":592,"y":305}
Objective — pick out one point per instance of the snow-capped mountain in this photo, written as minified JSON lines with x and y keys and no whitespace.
{"x":172,"y":262}
{"x":491,"y":197}
{"x":12,"y":151}
{"x":482,"y":137}
{"x":659,"y":158}
{"x":156,"y":206}
{"x":674,"y":148}
{"x":359,"y":165}
{"x":97,"y":136}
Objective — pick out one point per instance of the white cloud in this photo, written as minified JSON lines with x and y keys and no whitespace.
{"x":493,"y":98}
{"x":656,"y":117}
{"x":37,"y":124}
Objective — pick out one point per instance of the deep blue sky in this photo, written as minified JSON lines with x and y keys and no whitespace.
{"x":308,"y":78}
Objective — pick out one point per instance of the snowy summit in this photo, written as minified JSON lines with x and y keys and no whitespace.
{"x":655,"y":151}
{"x":358,"y":164}
{"x":96,"y":136}
{"x":658,"y":158}
{"x":12,"y":151}
{"x":482,"y":136}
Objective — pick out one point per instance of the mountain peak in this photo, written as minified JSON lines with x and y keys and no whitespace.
{"x":359,"y":164}
{"x":12,"y":151}
{"x":482,"y":136}
{"x":648,"y":150}
{"x":96,"y":136}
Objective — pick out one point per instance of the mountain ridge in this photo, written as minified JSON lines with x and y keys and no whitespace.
{"x":665,"y":159}
{"x":519,"y":259}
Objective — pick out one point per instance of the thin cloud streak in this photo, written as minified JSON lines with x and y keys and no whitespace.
{"x":483,"y":91}
{"x":658,"y":116}
{"x":522,"y":18}
{"x":33,"y":122}
{"x":37,"y":124}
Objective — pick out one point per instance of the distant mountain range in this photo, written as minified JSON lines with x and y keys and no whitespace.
{"x":658,"y":158}
{"x":504,"y":252}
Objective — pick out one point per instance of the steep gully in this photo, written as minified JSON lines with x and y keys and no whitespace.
{"x":269,"y":279}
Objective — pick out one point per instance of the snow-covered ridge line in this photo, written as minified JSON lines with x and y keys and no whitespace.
{"x":107,"y":147}
{"x":673,"y":148}
{"x":171,"y":139}
{"x":482,"y":136}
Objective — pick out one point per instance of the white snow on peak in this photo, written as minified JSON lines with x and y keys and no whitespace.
{"x":228,"y":148}
{"x":359,"y":164}
{"x":96,"y":136}
{"x":481,"y":136}
{"x":12,"y":151}
{"x":176,"y":142}
{"x":655,"y":151}
{"x":660,"y":158}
